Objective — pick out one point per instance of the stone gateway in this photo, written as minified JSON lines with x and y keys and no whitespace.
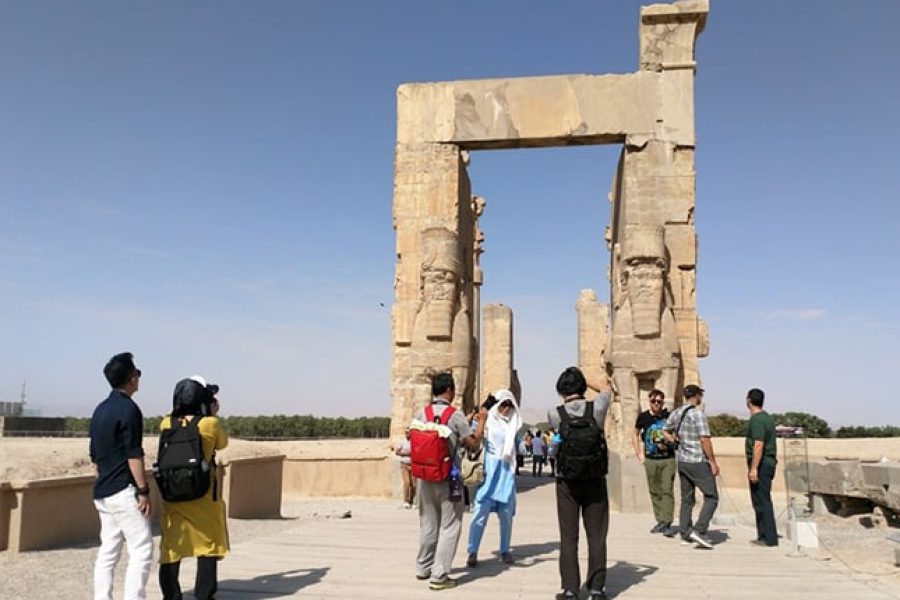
{"x":649,"y":336}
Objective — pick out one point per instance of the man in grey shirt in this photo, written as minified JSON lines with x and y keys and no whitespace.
{"x":440,"y":516}
{"x":697,"y":467}
{"x":586,"y":498}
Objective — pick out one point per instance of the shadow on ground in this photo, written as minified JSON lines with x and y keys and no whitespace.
{"x":527,"y":482}
{"x":273,"y":585}
{"x":490,"y":565}
{"x":624,"y":575}
{"x":718,"y":536}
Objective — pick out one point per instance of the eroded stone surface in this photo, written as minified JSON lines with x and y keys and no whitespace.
{"x":497,"y":340}
{"x":655,"y":336}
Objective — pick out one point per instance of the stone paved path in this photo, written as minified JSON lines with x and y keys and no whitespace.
{"x":370,"y":555}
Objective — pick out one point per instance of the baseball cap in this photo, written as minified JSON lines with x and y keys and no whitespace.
{"x":692,"y":390}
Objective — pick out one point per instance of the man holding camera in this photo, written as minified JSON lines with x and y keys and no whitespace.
{"x":651,"y":448}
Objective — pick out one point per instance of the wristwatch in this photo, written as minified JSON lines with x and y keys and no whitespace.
{"x":143,"y":491}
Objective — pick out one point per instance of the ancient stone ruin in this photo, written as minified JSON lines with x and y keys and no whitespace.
{"x":652,"y":336}
{"x":497,"y":371}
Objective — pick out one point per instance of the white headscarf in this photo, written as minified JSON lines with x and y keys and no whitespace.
{"x":506,"y":427}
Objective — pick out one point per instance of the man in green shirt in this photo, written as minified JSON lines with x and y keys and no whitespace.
{"x":761,"y":460}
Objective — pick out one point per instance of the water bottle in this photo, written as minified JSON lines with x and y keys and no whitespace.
{"x":456,"y":491}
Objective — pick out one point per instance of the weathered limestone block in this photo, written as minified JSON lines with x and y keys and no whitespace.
{"x":434,"y":289}
{"x":497,"y":341}
{"x":529,"y":111}
{"x":882,"y":481}
{"x":644,"y":350}
{"x":593,"y":338}
{"x":668,"y":34}
{"x":655,"y":335}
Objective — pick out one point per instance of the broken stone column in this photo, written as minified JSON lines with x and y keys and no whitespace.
{"x":497,"y":343}
{"x":593,"y":335}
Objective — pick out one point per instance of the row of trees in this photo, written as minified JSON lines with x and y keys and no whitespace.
{"x":813,"y":426}
{"x":308,"y":426}
{"x":275,"y":426}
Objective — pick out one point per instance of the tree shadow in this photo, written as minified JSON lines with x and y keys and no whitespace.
{"x":273,"y":585}
{"x":526,"y":555}
{"x":624,"y":575}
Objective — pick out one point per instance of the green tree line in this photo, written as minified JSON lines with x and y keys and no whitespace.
{"x":813,"y":426}
{"x":274,"y":426}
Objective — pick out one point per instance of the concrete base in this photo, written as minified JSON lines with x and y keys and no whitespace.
{"x":806,"y":533}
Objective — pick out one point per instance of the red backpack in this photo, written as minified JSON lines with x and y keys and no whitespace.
{"x":428,"y":452}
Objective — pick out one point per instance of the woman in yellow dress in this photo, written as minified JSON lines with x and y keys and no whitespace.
{"x":195,"y":527}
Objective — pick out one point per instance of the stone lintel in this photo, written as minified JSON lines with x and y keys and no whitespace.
{"x":554,"y":110}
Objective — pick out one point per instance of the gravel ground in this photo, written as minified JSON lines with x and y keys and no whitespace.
{"x":67,"y":573}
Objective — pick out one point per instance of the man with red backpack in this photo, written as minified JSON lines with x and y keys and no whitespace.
{"x":435,"y":436}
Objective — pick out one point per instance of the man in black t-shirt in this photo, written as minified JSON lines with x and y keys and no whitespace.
{"x":651,"y":448}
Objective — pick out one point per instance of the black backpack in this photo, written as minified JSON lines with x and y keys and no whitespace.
{"x":582,"y":455}
{"x":181,"y":471}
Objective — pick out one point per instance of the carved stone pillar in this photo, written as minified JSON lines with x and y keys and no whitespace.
{"x":432,"y":314}
{"x":593,"y":336}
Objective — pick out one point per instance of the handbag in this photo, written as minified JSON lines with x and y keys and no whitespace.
{"x":472,"y":468}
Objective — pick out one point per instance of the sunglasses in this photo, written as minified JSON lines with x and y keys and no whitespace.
{"x":656,"y":400}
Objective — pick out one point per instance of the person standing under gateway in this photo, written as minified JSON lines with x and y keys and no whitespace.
{"x":651,"y":448}
{"x":581,"y":483}
{"x":440,"y":515}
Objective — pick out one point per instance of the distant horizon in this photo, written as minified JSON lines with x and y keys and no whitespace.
{"x":531,"y":416}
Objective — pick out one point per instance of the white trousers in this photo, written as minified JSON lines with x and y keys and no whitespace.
{"x":122,"y":521}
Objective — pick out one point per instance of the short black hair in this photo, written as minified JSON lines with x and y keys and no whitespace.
{"x":571,"y":381}
{"x":655,"y":392}
{"x":441,"y":383}
{"x":756,"y":397}
{"x":119,"y":369}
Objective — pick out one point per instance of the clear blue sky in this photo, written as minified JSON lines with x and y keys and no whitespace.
{"x":208,"y":185}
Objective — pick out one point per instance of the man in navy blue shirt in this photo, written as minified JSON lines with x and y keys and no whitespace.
{"x":121,"y":493}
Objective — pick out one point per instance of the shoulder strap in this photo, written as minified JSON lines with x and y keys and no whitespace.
{"x":445,"y":416}
{"x":683,"y":415}
{"x":563,"y":413}
{"x":429,"y":413}
{"x":589,"y":412}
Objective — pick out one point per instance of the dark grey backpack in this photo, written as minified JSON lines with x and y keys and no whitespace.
{"x":582,"y":454}
{"x":181,"y":471}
